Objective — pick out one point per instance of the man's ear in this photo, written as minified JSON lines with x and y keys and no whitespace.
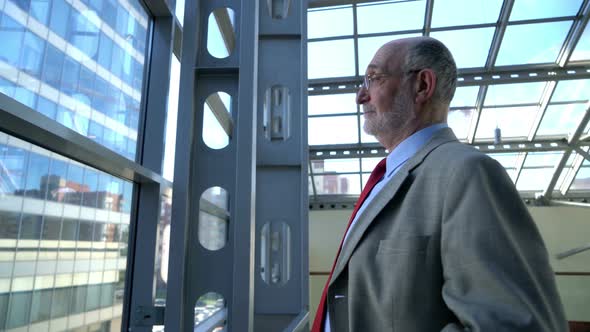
{"x":425,"y":85}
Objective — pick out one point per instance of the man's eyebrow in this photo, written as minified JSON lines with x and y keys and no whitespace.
{"x":371,"y":68}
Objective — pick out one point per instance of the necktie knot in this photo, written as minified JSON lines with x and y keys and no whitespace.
{"x":377,"y":172}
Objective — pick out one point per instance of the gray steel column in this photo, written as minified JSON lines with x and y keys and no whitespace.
{"x":281,"y":276}
{"x":139,"y":313}
{"x":193,"y":269}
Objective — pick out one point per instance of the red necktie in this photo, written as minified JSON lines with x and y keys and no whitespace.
{"x":376,"y":175}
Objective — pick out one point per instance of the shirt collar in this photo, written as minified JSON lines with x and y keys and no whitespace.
{"x":408,"y":147}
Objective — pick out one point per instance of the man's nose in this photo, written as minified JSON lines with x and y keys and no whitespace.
{"x":362,"y":96}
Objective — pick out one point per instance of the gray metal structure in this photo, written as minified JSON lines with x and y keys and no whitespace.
{"x":141,"y":313}
{"x":281,"y":163}
{"x":193,"y":270}
{"x":264,"y":174}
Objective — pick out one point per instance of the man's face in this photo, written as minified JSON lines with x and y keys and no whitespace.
{"x":387,"y":103}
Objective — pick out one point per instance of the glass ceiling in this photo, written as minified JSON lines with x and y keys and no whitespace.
{"x":524,"y":69}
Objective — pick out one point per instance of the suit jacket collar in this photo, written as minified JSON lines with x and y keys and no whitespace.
{"x":443,"y":136}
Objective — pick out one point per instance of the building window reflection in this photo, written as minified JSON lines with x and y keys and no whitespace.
{"x":64,"y":234}
{"x":92,"y":54}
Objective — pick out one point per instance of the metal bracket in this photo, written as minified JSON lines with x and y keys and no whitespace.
{"x":540,"y":200}
{"x":572,"y":252}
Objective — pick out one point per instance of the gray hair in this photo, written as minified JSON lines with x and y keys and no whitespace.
{"x":431,"y":53}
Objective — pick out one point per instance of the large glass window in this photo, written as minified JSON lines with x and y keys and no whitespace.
{"x":478,"y":42}
{"x":330,"y":22}
{"x":582,"y":51}
{"x":333,"y":130}
{"x":390,"y":16}
{"x":532,"y":43}
{"x":459,"y":12}
{"x":94,"y":56}
{"x":331,"y":104}
{"x":537,"y":170}
{"x":507,"y":83}
{"x":561,"y":120}
{"x":514,"y":122}
{"x":533,"y":9}
{"x":331,"y":58}
{"x":513,"y":94}
{"x":68,"y":224}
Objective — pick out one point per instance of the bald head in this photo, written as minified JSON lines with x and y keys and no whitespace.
{"x":409,"y":54}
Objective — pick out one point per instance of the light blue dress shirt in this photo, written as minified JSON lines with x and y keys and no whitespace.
{"x":395,"y":160}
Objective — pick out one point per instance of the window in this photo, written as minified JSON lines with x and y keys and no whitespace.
{"x":19,"y":309}
{"x":329,"y":22}
{"x":41,"y":305}
{"x":59,"y":210}
{"x":331,"y":58}
{"x":532,"y":43}
{"x":89,"y":57}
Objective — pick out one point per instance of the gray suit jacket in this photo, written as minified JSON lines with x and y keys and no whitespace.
{"x":446,"y":245}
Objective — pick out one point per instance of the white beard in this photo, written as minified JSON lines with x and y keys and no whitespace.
{"x":389,"y":123}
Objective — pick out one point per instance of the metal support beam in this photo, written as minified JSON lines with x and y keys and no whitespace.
{"x":556,"y":173}
{"x":566,"y":203}
{"x":571,"y":174}
{"x":327,"y":3}
{"x":583,"y":153}
{"x":499,"y":33}
{"x":481,"y":96}
{"x":575,"y":137}
{"x":545,"y":98}
{"x":142,"y":254}
{"x":577,"y":250}
{"x":225,"y":28}
{"x":573,"y":141}
{"x":281,"y":278}
{"x":346,"y":202}
{"x":221,"y":113}
{"x":514,"y":74}
{"x":428,"y":17}
{"x":471,"y":77}
{"x":574,"y":34}
{"x":185,"y":134}
{"x":229,"y":271}
{"x":355,"y":31}
{"x":520,"y":160}
{"x":143,"y":230}
{"x":339,"y":151}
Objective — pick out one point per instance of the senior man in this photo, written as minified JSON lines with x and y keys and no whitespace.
{"x":439,"y":239}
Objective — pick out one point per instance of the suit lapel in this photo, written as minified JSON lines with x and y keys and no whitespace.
{"x":384,"y":196}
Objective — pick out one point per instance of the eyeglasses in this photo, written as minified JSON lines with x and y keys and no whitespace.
{"x":368,"y":79}
{"x":373,"y":77}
